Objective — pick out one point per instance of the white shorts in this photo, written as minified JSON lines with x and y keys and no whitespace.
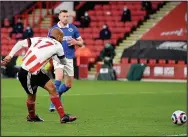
{"x":68,"y":68}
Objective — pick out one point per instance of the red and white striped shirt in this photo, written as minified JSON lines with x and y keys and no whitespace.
{"x":40,"y":51}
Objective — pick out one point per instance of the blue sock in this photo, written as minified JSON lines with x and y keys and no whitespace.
{"x":57,"y":85}
{"x":63,"y":88}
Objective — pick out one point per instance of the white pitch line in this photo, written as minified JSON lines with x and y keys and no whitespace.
{"x":178,"y":135}
{"x":93,"y":94}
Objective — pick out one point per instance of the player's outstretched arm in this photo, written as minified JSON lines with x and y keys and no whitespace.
{"x":19,"y":45}
{"x":78,"y":42}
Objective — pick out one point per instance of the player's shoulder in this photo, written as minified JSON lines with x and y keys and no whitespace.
{"x":72,"y":26}
{"x":54,"y":26}
{"x":35,"y":38}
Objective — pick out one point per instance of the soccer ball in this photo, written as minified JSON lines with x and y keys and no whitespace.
{"x":179,"y":117}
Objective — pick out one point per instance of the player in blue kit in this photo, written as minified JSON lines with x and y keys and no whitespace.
{"x":71,"y":38}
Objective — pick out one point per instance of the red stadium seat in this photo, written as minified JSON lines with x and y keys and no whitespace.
{"x":91,"y":13}
{"x":93,"y":17}
{"x":98,"y":42}
{"x":101,"y":23}
{"x":96,"y":30}
{"x":129,"y":24}
{"x":36,"y":30}
{"x":89,"y":42}
{"x":98,"y":7}
{"x":125,"y":60}
{"x":12,"y":42}
{"x":144,"y":61}
{"x":119,"y":24}
{"x":87,"y":30}
{"x":87,"y":36}
{"x":4,"y":41}
{"x":134,"y":61}
{"x":106,"y":7}
{"x":152,"y":61}
{"x":171,"y":61}
{"x":44,"y":30}
{"x":95,"y":35}
{"x":181,"y":62}
{"x":94,"y":24}
{"x":99,"y":13}
{"x":114,"y":41}
{"x":4,"y":30}
{"x":100,"y":18}
{"x":162,"y":61}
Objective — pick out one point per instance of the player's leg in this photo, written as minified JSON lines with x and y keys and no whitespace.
{"x":32,"y":117}
{"x":49,"y":86}
{"x":67,"y":85}
{"x":68,"y":77}
{"x":28,"y":83}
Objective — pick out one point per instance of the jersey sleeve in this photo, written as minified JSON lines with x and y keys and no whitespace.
{"x":76,"y":33}
{"x":19,"y":45}
{"x":60,"y":50}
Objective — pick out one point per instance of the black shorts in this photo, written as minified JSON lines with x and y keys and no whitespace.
{"x":31,"y":82}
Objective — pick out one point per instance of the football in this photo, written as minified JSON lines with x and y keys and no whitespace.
{"x":179,"y":117}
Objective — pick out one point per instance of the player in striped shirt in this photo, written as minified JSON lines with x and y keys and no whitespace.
{"x":40,"y":51}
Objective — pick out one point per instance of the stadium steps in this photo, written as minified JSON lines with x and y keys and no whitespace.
{"x":46,"y":22}
{"x":136,"y":35}
{"x":36,"y":14}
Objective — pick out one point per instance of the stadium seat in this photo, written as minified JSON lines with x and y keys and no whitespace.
{"x":125,"y":60}
{"x":106,"y":7}
{"x":87,"y":30}
{"x":95,"y":35}
{"x":91,"y":13}
{"x":152,"y":61}
{"x":44,"y":30}
{"x":12,"y":42}
{"x":96,"y":30}
{"x":4,"y":41}
{"x":181,"y":62}
{"x":134,"y":60}
{"x":87,"y":36}
{"x":98,"y":7}
{"x":144,"y":61}
{"x":171,"y":61}
{"x":93,"y":24}
{"x":100,"y":18}
{"x":4,"y":30}
{"x":98,"y":42}
{"x":99,"y":13}
{"x":89,"y":42}
{"x":101,"y":23}
{"x":36,"y":30}
{"x":162,"y":61}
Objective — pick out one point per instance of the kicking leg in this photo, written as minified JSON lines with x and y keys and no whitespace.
{"x":49,"y":86}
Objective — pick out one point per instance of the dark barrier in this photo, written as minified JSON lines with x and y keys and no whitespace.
{"x":149,"y":49}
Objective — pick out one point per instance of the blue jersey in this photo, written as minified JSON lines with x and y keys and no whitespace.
{"x":70,"y":31}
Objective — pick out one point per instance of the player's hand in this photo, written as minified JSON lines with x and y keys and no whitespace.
{"x":72,"y":42}
{"x":6,"y":60}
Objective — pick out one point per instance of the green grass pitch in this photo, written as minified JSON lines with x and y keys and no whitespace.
{"x":102,"y":108}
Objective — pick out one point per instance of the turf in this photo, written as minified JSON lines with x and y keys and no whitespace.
{"x":102,"y":108}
